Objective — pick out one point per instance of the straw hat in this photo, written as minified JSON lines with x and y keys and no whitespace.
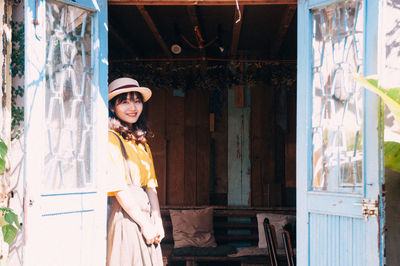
{"x":123,"y":85}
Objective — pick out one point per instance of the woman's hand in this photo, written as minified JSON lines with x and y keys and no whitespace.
{"x":160,"y":234}
{"x":156,"y":214}
{"x":149,"y":233}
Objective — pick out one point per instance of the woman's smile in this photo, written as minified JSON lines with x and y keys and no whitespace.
{"x":131,"y":114}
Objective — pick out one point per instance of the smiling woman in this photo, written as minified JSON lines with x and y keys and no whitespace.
{"x":126,"y":100}
{"x":132,"y":183}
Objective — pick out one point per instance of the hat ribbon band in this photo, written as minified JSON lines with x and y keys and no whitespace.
{"x":126,"y":86}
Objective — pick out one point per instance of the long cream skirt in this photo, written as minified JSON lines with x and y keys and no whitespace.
{"x":126,"y":245}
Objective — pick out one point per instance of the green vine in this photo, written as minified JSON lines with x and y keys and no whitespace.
{"x":9,"y":225}
{"x":3,"y":152}
{"x":17,"y":70}
{"x":8,"y":219}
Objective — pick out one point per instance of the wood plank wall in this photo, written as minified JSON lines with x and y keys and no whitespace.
{"x":191,"y":162}
{"x":290,"y":152}
{"x":181,"y":146}
{"x":273,"y":149}
{"x":219,"y":151}
{"x":265,"y":189}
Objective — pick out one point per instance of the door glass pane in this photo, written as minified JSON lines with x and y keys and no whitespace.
{"x":337,"y":120}
{"x":69,"y":69}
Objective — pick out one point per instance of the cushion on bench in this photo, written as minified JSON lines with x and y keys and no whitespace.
{"x":250,"y":251}
{"x":279,"y":221}
{"x":193,"y":228}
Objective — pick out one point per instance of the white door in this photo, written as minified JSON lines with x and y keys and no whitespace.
{"x":65,"y":132}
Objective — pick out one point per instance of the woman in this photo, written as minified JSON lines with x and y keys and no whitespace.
{"x":135,"y":226}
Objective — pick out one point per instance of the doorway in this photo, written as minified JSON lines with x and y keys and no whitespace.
{"x":224,"y":96}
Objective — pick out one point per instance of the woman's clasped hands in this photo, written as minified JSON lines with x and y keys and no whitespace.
{"x":153,"y":233}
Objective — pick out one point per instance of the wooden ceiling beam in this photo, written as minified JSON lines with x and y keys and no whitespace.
{"x":193,"y":16}
{"x":149,"y":21}
{"x":285,"y":23}
{"x":198,"y":35}
{"x":114,"y":32}
{"x":200,"y":2}
{"x":196,"y":28}
{"x":237,"y":27}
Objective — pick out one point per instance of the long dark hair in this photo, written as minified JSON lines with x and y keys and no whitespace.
{"x":139,"y":131}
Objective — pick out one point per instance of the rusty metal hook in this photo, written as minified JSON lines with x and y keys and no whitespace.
{"x":35,"y":19}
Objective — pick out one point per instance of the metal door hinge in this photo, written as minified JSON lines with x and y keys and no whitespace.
{"x":370,"y":207}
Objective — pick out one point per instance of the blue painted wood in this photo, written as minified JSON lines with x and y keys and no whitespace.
{"x":303,"y":138}
{"x":330,"y":228}
{"x":333,"y":238}
{"x":334,"y":204}
{"x":92,"y":5}
{"x":373,"y":167}
{"x":238,"y":150}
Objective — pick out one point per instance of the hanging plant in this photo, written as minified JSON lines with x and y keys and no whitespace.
{"x":216,"y":78}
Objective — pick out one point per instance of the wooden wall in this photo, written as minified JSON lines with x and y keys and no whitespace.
{"x":192,"y":162}
{"x":273,"y":146}
{"x":290,"y":152}
{"x":181,"y":146}
{"x":265,"y":189}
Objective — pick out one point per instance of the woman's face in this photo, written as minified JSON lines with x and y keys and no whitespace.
{"x":128,"y":109}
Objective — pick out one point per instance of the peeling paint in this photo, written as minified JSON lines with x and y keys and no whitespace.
{"x":238,"y":146}
{"x":238,"y":154}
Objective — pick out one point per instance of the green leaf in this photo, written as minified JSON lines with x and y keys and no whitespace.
{"x":11,"y":218}
{"x":372,"y":85}
{"x":3,"y":148}
{"x":373,"y":82}
{"x":392,"y":155}
{"x":394,"y":93}
{"x":2,"y":165}
{"x":9,"y":233}
{"x":2,"y":220}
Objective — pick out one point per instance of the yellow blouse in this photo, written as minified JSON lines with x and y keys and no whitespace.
{"x":140,"y":163}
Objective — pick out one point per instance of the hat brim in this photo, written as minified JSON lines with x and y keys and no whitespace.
{"x":146,"y":92}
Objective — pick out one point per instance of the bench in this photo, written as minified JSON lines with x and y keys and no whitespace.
{"x":233,"y":226}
